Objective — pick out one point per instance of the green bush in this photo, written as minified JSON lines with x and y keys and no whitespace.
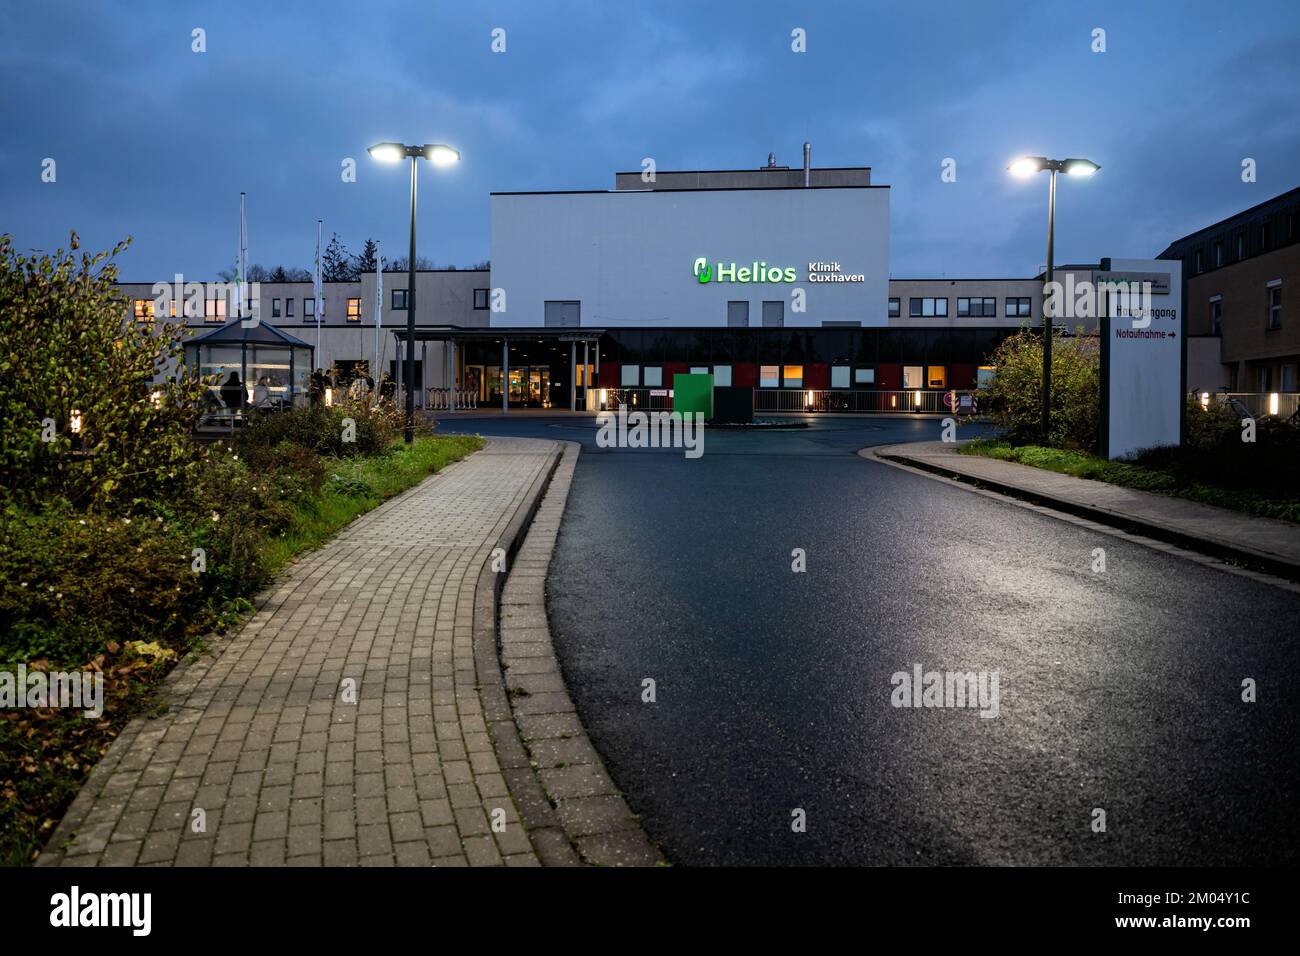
{"x":67,"y":342}
{"x":1015,"y":395}
{"x":323,"y":430}
{"x":74,"y":582}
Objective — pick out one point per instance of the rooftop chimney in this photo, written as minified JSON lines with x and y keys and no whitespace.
{"x":807,"y":164}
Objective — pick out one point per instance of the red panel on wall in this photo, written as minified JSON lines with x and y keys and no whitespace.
{"x":889,"y":376}
{"x":744,"y":374}
{"x":674,"y":368}
{"x":817,"y":375}
{"x":961,"y":376}
{"x":609,"y":376}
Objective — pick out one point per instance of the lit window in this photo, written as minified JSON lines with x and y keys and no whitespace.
{"x":354,"y":310}
{"x":913,"y":376}
{"x":769,"y":376}
{"x":143,"y":309}
{"x":984,"y":376}
{"x":654,"y":376}
{"x":792,"y":376}
{"x":722,"y":375}
{"x":214,"y":310}
{"x":630,"y":376}
{"x":840,"y":376}
{"x":864,"y":376}
{"x":936,"y":376}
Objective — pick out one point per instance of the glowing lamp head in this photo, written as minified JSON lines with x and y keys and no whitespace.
{"x":387,"y":152}
{"x":1080,"y":167}
{"x":1025,"y":166}
{"x":441,"y":155}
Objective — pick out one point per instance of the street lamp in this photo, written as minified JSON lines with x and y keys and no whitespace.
{"x":1024,"y":167}
{"x":439,"y":155}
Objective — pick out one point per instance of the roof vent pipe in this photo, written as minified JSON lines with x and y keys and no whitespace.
{"x":807,"y":167}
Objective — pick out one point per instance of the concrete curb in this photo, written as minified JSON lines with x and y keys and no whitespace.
{"x":570,"y":805}
{"x":1223,"y":550}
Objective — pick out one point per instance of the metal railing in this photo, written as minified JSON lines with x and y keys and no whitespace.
{"x":640,"y":399}
{"x":1259,"y":404}
{"x":866,"y":401}
{"x":447,"y":398}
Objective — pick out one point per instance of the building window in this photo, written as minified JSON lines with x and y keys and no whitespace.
{"x":214,"y":310}
{"x":562,"y":314}
{"x":864,"y":376}
{"x":1288,"y":378}
{"x":308,"y":310}
{"x":1275,"y":306}
{"x":654,"y":376}
{"x":984,"y":376}
{"x":773,"y":315}
{"x":275,"y":308}
{"x":840,"y":376}
{"x":288,"y":308}
{"x":913,"y":376}
{"x":977,"y":308}
{"x":1218,"y":255}
{"x":1200,"y":264}
{"x":1263,"y":238}
{"x":936,"y":376}
{"x":354,"y":310}
{"x":792,"y":376}
{"x":480,"y":299}
{"x":895,"y":307}
{"x":399,"y":300}
{"x":1216,"y":316}
{"x":1241,"y":247}
{"x":769,"y":376}
{"x":1018,"y":307}
{"x":737,"y":315}
{"x":927,"y":308}
{"x":143,"y":309}
{"x":629,"y":376}
{"x":722,"y":375}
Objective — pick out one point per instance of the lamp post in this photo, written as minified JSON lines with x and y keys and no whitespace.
{"x":1024,"y":167}
{"x":439,"y":155}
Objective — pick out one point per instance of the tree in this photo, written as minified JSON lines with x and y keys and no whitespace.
{"x":82,"y":422}
{"x":278,"y":274}
{"x":368,"y":259}
{"x":336,"y":263}
{"x":1015,"y":394}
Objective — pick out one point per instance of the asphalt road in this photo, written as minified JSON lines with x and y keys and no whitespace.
{"x":1118,"y":690}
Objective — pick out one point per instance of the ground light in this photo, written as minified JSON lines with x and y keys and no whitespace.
{"x":1024,"y":167}
{"x":1205,"y":400}
{"x":1272,"y":403}
{"x":440,"y":155}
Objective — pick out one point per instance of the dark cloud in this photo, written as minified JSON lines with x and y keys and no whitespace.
{"x":156,"y":141}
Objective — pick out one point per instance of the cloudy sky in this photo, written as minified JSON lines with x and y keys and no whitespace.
{"x":156,"y":141}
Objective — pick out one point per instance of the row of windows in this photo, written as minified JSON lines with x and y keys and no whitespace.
{"x":925,"y":307}
{"x":1243,"y":241}
{"x":1272,"y":309}
{"x":215,"y":309}
{"x":792,"y":376}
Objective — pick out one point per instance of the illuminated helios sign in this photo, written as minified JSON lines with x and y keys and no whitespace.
{"x":706,"y":272}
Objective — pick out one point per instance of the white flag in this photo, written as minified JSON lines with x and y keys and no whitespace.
{"x":379,"y":308}
{"x":316,"y":289}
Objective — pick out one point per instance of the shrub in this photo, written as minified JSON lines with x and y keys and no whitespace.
{"x":73,"y":582}
{"x":1015,"y":396}
{"x":322,"y":429}
{"x":70,"y":343}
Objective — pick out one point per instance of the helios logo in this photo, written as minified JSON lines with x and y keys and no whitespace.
{"x":732,"y":272}
{"x":103,"y":909}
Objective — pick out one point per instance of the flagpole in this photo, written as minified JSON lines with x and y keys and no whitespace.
{"x":243,"y":259}
{"x":379,"y":309}
{"x":316,"y":291}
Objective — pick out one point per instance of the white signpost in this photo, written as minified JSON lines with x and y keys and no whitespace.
{"x":1141,"y":354}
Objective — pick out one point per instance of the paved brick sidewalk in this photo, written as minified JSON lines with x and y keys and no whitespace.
{"x":1271,"y":545}
{"x":262,"y":740}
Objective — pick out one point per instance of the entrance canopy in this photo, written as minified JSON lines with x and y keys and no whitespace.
{"x":522,"y":367}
